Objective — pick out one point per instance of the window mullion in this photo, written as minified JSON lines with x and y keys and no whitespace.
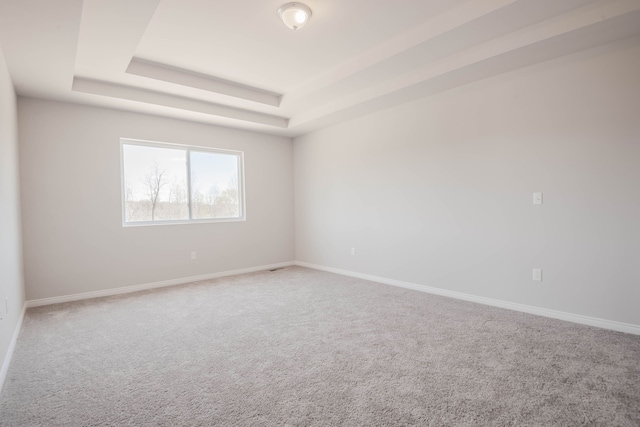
{"x":189,"y":183}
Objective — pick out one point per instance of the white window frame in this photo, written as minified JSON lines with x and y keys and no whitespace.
{"x":188,"y":149}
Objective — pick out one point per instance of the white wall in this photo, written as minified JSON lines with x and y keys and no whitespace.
{"x":438,"y":192}
{"x":11,"y":280}
{"x":74,"y":241}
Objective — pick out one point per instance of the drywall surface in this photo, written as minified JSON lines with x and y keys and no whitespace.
{"x":439,"y":192}
{"x":74,"y":241}
{"x":11,"y":279}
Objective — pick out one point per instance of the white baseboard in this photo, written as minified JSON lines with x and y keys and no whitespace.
{"x":575,"y":318}
{"x":145,"y":286}
{"x":12,"y":346}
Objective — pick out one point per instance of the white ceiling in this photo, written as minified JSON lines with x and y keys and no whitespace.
{"x":233,"y":63}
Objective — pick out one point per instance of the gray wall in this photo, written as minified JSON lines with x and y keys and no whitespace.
{"x":438,"y":192}
{"x":11,"y":281}
{"x":74,"y":241}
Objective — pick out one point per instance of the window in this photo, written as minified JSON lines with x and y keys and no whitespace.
{"x":169,"y":183}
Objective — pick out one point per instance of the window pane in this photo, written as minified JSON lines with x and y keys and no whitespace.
{"x":155,"y":183}
{"x":214,"y":185}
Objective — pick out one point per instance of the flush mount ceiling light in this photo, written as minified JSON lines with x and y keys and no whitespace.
{"x":294,"y":15}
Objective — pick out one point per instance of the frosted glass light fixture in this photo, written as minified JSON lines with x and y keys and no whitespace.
{"x":294,"y":15}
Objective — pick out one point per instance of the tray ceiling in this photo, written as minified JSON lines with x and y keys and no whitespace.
{"x":233,"y":63}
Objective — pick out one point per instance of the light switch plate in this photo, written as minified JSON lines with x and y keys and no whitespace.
{"x":537,"y":198}
{"x":537,"y":275}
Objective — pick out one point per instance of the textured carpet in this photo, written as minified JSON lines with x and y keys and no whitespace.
{"x":298,"y":347}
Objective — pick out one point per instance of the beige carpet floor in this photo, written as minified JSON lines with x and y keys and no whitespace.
{"x":298,"y":347}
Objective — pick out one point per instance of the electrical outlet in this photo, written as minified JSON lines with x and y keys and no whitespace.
{"x":353,"y":251}
{"x":194,"y":256}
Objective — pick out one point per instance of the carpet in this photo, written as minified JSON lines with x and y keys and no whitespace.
{"x":299,"y":347}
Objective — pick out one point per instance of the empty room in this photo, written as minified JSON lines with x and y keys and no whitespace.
{"x":319,"y":213}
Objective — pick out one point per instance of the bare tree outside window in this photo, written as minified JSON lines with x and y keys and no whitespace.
{"x":154,"y":181}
